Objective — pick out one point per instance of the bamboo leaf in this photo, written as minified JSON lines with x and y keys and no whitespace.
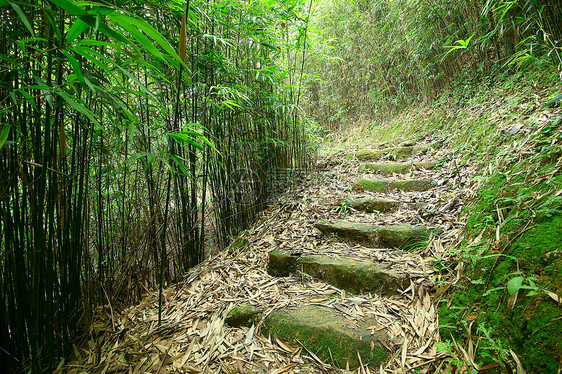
{"x":23,"y":17}
{"x":77,"y":28}
{"x":141,"y":39}
{"x":146,"y":28}
{"x":180,"y":163}
{"x":554,"y":100}
{"x":186,"y":139}
{"x":4,"y":134}
{"x":78,"y":106}
{"x":69,"y":7}
{"x":75,"y":66}
{"x":138,"y":83}
{"x":96,"y":23}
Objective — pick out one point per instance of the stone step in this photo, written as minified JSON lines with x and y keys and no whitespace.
{"x":398,"y":167}
{"x":396,"y":153}
{"x":379,"y":204}
{"x":350,"y":274}
{"x":375,"y":185}
{"x":244,"y":315}
{"x":329,"y":334}
{"x":402,"y":236}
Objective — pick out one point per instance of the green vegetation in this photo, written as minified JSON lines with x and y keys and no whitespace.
{"x":481,"y":78}
{"x":136,"y":137}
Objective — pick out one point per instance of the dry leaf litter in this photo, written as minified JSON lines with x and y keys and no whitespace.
{"x":193,"y":336}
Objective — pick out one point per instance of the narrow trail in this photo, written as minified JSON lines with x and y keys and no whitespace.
{"x":347,"y":267}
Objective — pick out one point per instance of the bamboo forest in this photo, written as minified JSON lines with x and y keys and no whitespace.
{"x":280,"y":186}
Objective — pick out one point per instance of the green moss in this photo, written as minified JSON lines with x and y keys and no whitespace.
{"x":353,"y":275}
{"x":386,"y":186}
{"x":281,"y":264}
{"x":398,"y":168}
{"x":244,"y":315}
{"x":331,"y":336}
{"x":534,"y":326}
{"x":367,"y":155}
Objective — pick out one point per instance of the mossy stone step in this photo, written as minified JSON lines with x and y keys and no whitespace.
{"x":372,"y":204}
{"x":392,"y":236}
{"x":398,"y":167}
{"x":244,"y":315}
{"x":350,"y":274}
{"x":378,"y":204}
{"x":330,"y":335}
{"x":410,"y":185}
{"x":397,"y":153}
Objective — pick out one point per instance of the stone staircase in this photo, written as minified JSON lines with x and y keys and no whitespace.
{"x":323,"y":328}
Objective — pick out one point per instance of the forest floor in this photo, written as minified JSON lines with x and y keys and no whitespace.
{"x":193,"y":336}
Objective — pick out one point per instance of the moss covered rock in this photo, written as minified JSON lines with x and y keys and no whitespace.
{"x":397,"y":167}
{"x":282,"y":264}
{"x":331,"y":336}
{"x":391,"y":236}
{"x":379,"y":204}
{"x":369,"y":154}
{"x":350,"y":274}
{"x":388,"y":186}
{"x":244,"y":315}
{"x":373,"y":204}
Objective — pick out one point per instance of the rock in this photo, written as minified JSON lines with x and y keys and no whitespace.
{"x":398,"y":168}
{"x":387,"y":186}
{"x":282,"y":264}
{"x":373,"y":204}
{"x":392,"y":236}
{"x":350,"y":274}
{"x":379,"y":204}
{"x":244,"y":315}
{"x":333,"y":337}
{"x":366,"y":155}
{"x":396,"y":153}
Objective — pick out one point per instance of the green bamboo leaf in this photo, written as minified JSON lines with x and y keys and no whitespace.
{"x":96,"y":23}
{"x":180,"y":163}
{"x":75,"y":66}
{"x":147,"y":29}
{"x":138,"y":83}
{"x":23,"y":18}
{"x":186,"y":139}
{"x":4,"y":134}
{"x":92,"y":42}
{"x":140,"y":37}
{"x":136,"y":156}
{"x":553,"y":100}
{"x":69,"y":7}
{"x":95,"y":57}
{"x":78,"y":106}
{"x":77,"y":28}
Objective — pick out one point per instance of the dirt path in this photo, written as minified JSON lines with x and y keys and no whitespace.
{"x":400,"y":324}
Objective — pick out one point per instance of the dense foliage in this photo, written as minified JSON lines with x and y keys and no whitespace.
{"x":378,"y":56}
{"x":135,"y":137}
